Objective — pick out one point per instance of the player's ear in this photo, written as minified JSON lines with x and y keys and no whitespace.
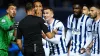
{"x":52,"y":15}
{"x":98,"y":12}
{"x":7,"y":10}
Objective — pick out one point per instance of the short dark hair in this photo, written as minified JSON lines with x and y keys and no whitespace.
{"x":78,"y":3}
{"x":95,"y":5}
{"x":49,"y":9}
{"x":10,"y":4}
{"x":86,"y":5}
{"x":29,"y":6}
{"x":37,"y":1}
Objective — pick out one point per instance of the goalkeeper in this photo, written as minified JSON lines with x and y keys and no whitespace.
{"x":7,"y":27}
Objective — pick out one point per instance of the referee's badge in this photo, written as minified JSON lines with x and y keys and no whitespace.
{"x":3,"y":20}
{"x":76,"y":32}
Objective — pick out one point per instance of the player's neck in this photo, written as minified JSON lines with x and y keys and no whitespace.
{"x":29,"y":13}
{"x":78,"y":16}
{"x":50,"y":21}
{"x":9,"y":17}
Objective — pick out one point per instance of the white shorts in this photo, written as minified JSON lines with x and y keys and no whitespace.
{"x":76,"y":54}
{"x":95,"y":54}
{"x":60,"y":55}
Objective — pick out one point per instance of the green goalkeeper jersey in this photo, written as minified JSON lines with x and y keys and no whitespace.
{"x":5,"y":35}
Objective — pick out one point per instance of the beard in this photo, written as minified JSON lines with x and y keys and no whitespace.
{"x":77,"y":15}
{"x":93,"y":17}
{"x":13,"y":15}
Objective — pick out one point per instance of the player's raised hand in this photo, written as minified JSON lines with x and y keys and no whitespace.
{"x":43,"y":35}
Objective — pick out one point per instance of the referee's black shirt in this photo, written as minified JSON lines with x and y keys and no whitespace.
{"x":30,"y":28}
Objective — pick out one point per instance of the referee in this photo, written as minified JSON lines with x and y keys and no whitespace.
{"x":30,"y":27}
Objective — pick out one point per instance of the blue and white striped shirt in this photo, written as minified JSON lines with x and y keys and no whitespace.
{"x":96,"y":37}
{"x":79,"y":32}
{"x":57,"y":43}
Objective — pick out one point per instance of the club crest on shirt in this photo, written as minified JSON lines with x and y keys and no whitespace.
{"x":3,"y":20}
{"x":10,"y":34}
{"x":75,"y":31}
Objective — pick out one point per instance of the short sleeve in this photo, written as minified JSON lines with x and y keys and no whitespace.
{"x":43,"y":26}
{"x":19,"y":33}
{"x":89,"y":25}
